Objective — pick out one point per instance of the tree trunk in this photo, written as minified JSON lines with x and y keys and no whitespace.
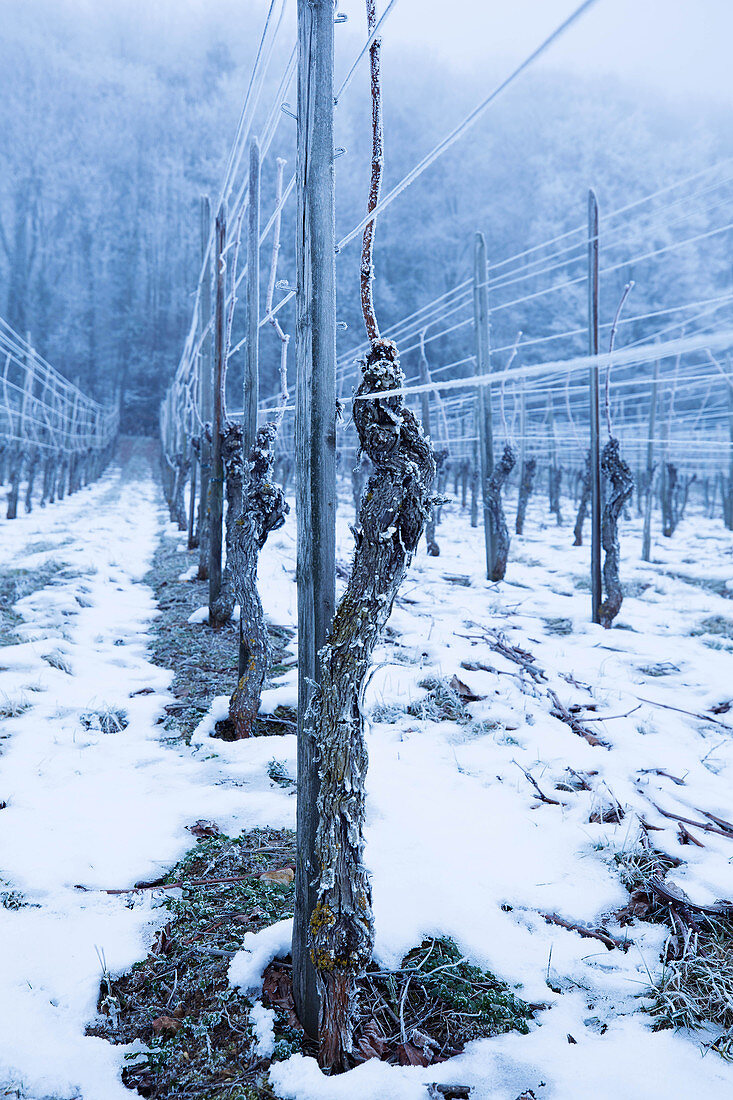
{"x":667,"y":492}
{"x":620,"y":487}
{"x":526,"y":482}
{"x":583,"y":505}
{"x":263,"y":509}
{"x":501,"y":472}
{"x":16,"y":466}
{"x":32,"y":463}
{"x":391,"y":521}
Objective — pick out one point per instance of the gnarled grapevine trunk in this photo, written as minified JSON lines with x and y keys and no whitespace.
{"x":32,"y":463}
{"x":16,"y":469}
{"x":667,"y":492}
{"x":620,"y":482}
{"x":263,"y":509}
{"x":526,"y":481}
{"x":475,"y":481}
{"x":495,"y":507}
{"x":391,"y":520}
{"x":583,"y":505}
{"x":555,"y":484}
{"x":231,"y":452}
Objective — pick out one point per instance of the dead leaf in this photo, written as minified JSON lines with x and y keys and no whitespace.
{"x":371,"y":1043}
{"x":409,"y":1055}
{"x":284,"y":875}
{"x":204,"y":828}
{"x":162,"y":941}
{"x":166,"y":1023}
{"x":277,"y":992}
{"x":466,"y":694}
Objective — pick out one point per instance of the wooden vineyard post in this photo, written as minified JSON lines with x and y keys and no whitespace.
{"x":206,"y":391}
{"x":483,"y":397}
{"x":251,"y":369}
{"x":192,"y":502}
{"x":315,"y":447}
{"x":646,"y":546}
{"x":216,"y":508}
{"x":595,"y":456}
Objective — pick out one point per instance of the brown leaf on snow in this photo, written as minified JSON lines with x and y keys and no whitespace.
{"x":283,"y":875}
{"x":467,"y":695}
{"x":204,"y":828}
{"x":166,"y":1023}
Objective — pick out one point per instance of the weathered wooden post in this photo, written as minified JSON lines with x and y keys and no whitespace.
{"x":206,"y":391}
{"x":483,"y":397}
{"x":216,"y":496}
{"x":315,"y":462}
{"x":646,"y":542}
{"x":595,"y":456}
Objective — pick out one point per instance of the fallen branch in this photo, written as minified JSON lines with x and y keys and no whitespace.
{"x":704,"y":825}
{"x":540,"y":794}
{"x":560,"y":711}
{"x":187,"y":885}
{"x":691,"y":713}
{"x":589,"y":933}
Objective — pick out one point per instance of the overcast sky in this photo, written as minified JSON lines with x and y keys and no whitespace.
{"x":677,"y":46}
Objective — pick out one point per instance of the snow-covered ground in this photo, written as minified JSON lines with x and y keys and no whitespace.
{"x":458,"y":841}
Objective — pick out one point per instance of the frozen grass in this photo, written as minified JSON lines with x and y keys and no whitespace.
{"x":695,"y":986}
{"x":15,"y":584}
{"x":178,"y":1001}
{"x":56,"y":659}
{"x":13,"y":706}
{"x":204,"y":658}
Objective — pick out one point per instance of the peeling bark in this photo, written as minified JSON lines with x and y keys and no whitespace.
{"x":393,"y":513}
{"x":620,"y":487}
{"x":583,"y":504}
{"x":263,"y":509}
{"x":526,"y":483}
{"x":495,"y":507}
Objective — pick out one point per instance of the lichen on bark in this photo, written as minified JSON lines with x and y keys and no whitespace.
{"x":392,"y":515}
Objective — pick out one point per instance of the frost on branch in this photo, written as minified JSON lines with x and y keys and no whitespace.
{"x":392,"y":515}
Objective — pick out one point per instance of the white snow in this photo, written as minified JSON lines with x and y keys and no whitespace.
{"x":457,"y":841}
